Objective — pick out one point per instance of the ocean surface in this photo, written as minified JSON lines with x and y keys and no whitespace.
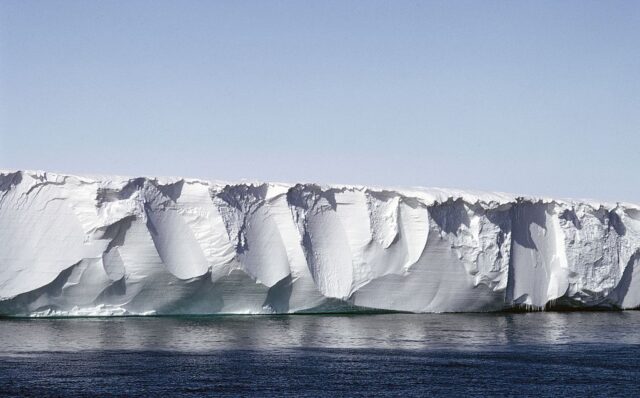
{"x":524,"y":354}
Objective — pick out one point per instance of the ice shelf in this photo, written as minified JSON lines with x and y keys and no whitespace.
{"x":79,"y":245}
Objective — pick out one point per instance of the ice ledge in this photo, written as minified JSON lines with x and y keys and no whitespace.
{"x":429,"y":194}
{"x":137,"y":245}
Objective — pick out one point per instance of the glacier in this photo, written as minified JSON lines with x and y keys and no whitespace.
{"x":98,"y":246}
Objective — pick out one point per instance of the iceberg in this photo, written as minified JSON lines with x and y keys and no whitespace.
{"x":84,"y":245}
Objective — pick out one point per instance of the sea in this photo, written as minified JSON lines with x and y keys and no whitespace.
{"x":341,"y":355}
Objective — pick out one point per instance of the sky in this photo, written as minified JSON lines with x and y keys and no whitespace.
{"x":539,"y":98}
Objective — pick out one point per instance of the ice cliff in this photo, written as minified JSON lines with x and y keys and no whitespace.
{"x":74,"y":245}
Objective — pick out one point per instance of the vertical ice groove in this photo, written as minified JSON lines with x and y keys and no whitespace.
{"x":325,"y":240}
{"x":353,"y":215}
{"x":383,"y":208}
{"x":172,"y":236}
{"x":120,"y":245}
{"x":248,"y":217}
{"x":414,"y":230}
{"x":197,"y":208}
{"x":538,"y":270}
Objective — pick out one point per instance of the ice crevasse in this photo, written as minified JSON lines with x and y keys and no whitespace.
{"x":80,"y":245}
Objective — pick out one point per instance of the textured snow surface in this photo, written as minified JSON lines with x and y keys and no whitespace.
{"x":83,"y":246}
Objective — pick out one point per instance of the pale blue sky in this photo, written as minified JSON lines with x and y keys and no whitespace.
{"x":527,"y":97}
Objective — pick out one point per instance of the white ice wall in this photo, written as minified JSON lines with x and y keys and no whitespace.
{"x":97,"y":246}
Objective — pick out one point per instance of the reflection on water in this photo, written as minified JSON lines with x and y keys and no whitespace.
{"x":388,"y":331}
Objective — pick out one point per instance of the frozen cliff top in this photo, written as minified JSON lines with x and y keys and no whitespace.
{"x":98,"y":245}
{"x":429,"y":194}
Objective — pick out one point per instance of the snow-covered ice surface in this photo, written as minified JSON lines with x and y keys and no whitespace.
{"x":81,"y":246}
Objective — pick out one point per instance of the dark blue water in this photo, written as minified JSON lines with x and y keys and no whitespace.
{"x":541,"y":354}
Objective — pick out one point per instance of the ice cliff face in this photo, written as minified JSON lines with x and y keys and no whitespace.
{"x":102,"y":246}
